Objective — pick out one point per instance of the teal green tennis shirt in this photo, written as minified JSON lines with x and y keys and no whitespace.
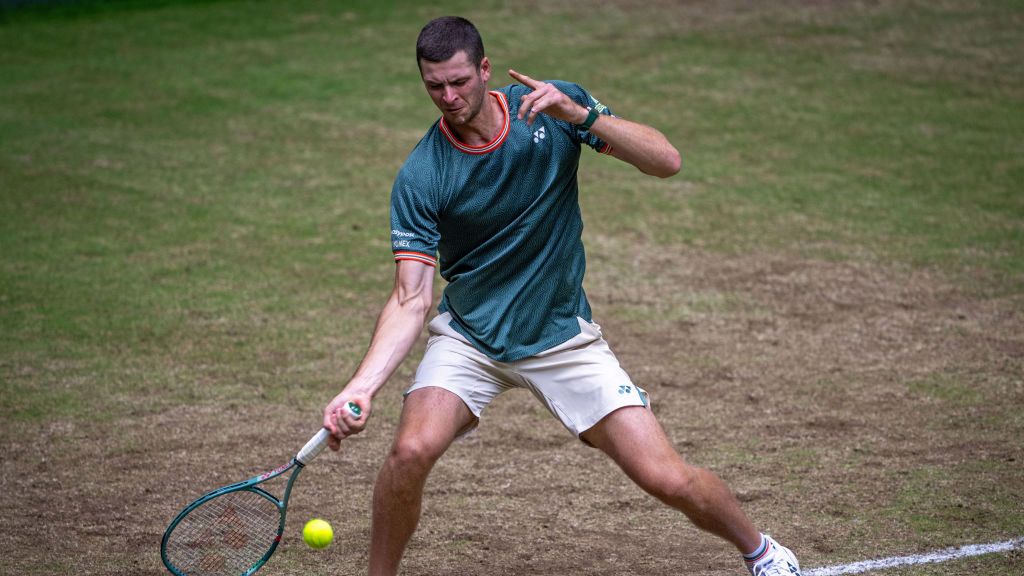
{"x":502,"y":221}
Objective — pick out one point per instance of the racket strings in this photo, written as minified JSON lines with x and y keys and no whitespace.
{"x":226,"y":535}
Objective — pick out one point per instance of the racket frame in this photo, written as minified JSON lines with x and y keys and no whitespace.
{"x":311,"y":450}
{"x":250,"y":485}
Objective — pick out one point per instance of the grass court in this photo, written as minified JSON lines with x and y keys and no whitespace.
{"x":826,"y":304}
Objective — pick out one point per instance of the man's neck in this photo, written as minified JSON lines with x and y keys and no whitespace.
{"x":485,"y":127}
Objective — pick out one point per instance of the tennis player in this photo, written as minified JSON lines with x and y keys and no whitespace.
{"x":489,"y":197}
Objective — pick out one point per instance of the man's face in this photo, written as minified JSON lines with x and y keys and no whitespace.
{"x":457,"y":87}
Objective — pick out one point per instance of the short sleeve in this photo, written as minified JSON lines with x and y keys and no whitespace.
{"x":414,"y":222}
{"x":584,"y":98}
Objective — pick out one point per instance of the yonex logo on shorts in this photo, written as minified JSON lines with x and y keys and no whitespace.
{"x":539,"y":135}
{"x":625,"y":389}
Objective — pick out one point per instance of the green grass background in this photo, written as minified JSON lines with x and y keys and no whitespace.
{"x":206,"y":183}
{"x":194,"y":195}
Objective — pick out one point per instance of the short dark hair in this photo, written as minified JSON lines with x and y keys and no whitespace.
{"x":442,"y":37}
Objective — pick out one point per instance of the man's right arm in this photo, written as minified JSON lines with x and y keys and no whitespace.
{"x":398,"y":328}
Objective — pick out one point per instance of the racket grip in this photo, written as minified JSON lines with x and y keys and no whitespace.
{"x":316,"y":444}
{"x":314,"y":447}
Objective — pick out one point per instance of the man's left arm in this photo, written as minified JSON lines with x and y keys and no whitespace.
{"x":638,"y":144}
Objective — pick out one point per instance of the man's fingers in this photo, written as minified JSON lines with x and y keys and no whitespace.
{"x":541,"y":103}
{"x":350,"y":423}
{"x":524,"y":79}
{"x":537,"y":108}
{"x":344,"y":417}
{"x":524,"y":105}
{"x":533,"y":103}
{"x":343,"y":423}
{"x":329,"y":422}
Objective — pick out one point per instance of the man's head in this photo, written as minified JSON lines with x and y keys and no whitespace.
{"x":454,"y":69}
{"x":442,"y":37}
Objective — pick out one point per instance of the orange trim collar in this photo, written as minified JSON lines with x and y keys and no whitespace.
{"x":493,"y":144}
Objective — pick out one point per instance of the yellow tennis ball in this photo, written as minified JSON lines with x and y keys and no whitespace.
{"x":317,"y":533}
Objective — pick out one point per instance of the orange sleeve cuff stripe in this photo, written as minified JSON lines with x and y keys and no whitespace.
{"x":418,"y":256}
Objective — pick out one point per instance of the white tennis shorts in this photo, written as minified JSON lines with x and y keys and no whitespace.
{"x":579,"y":381}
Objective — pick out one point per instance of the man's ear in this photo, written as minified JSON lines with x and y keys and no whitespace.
{"x":485,"y":70}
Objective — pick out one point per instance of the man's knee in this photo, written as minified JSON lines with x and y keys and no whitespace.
{"x":415,"y":453}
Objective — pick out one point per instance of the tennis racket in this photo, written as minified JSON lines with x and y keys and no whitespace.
{"x":234,"y":530}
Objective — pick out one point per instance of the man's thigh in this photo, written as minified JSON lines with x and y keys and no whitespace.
{"x":432,"y":418}
{"x":634,"y":439}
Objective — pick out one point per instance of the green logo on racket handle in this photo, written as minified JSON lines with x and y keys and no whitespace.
{"x":355,"y":410}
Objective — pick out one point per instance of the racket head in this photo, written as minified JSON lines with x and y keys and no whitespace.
{"x":229,"y":532}
{"x":234,"y":530}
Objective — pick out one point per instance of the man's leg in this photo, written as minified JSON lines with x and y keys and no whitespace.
{"x":633,"y":438}
{"x":431,"y":419}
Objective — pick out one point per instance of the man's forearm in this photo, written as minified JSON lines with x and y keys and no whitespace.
{"x":398,"y":328}
{"x":638,"y":144}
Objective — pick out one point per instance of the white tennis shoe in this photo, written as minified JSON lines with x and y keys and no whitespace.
{"x":777,"y":560}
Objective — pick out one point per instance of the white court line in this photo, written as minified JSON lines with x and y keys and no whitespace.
{"x":931,"y":557}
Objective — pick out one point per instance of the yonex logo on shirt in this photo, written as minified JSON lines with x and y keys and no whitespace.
{"x":399,"y":241}
{"x":539,"y":135}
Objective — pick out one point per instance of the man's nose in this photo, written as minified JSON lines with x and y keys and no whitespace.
{"x":449,"y":94}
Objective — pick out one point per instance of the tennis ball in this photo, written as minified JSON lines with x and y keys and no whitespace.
{"x":317,"y":533}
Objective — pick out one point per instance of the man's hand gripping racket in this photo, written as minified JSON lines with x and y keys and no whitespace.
{"x":234,"y":530}
{"x":343,"y":422}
